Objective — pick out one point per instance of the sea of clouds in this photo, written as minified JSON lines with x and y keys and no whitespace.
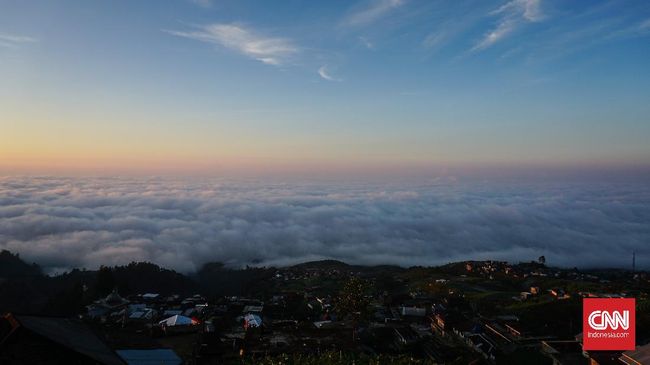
{"x":62,"y":223}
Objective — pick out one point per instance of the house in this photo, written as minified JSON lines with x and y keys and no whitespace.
{"x":501,"y":332}
{"x":405,"y":336}
{"x":192,"y":301}
{"x":51,"y":340}
{"x":639,"y":356}
{"x":177,"y":320}
{"x":514,"y":329}
{"x":413,"y":311}
{"x":564,"y":352}
{"x":111,"y":303}
{"x":150,"y":357}
{"x":559,"y":293}
{"x":482,"y":344}
{"x":535,"y":290}
{"x":113,"y":300}
{"x":604,"y":357}
{"x":172,"y":312}
{"x":179,"y":324}
{"x":320,"y":324}
{"x":451,"y":323}
{"x":142,"y":315}
{"x":438,"y":324}
{"x":150,"y":296}
{"x":136,"y":307}
{"x":253,"y":309}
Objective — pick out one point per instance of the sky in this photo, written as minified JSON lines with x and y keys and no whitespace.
{"x":376,"y":86}
{"x":408,"y":132}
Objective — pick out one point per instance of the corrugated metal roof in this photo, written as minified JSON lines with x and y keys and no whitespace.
{"x":72,"y":334}
{"x":639,"y":356}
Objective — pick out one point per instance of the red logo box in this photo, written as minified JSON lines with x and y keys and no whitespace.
{"x":608,"y":324}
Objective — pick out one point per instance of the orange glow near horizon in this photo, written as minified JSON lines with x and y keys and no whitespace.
{"x":90,"y":143}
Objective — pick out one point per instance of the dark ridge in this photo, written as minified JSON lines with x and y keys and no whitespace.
{"x":13,"y":266}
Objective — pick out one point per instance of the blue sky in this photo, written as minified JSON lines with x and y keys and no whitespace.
{"x":217,"y":84}
{"x":462,"y":94}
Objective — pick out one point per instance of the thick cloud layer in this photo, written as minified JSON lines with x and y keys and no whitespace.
{"x":84,"y":222}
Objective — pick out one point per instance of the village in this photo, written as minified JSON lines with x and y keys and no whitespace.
{"x":475,"y":312}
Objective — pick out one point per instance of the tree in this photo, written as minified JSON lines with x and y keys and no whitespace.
{"x":105,"y":281}
{"x":542,"y":260}
{"x":13,"y":266}
{"x":352,"y":302}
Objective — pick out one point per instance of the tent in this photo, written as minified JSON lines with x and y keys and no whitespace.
{"x":176,"y":320}
{"x":252,"y":320}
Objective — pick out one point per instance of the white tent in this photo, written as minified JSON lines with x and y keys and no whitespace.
{"x":176,"y":320}
{"x":252,"y":320}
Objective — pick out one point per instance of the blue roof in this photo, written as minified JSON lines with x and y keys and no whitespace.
{"x":150,"y":357}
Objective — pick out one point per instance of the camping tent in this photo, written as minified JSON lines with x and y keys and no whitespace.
{"x":176,"y":320}
{"x":252,"y":320}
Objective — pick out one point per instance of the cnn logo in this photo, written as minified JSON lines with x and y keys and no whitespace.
{"x":608,"y":324}
{"x":601,"y":320}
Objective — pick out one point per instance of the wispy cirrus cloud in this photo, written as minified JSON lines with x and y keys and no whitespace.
{"x":267,"y":49}
{"x":645,"y":25}
{"x":373,"y":11}
{"x":529,"y":8}
{"x":435,"y":39}
{"x":640,"y":29}
{"x":598,"y":25}
{"x":512,"y":15}
{"x":366,"y":42}
{"x":13,"y":40}
{"x":325,"y":74}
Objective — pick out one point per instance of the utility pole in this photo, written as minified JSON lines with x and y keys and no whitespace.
{"x":633,"y":262}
